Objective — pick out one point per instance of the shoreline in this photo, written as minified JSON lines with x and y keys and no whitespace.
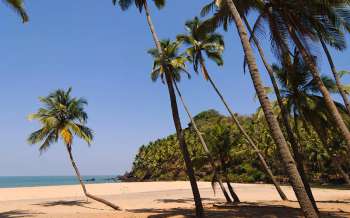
{"x":161,"y":199}
{"x":43,"y":181}
{"x":116,"y":181}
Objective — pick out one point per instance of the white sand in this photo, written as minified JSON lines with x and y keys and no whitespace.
{"x":160,"y":199}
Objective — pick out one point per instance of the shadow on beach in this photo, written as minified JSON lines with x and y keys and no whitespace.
{"x":242,"y":210}
{"x":182,"y":200}
{"x":76,"y":203}
{"x":18,"y":214}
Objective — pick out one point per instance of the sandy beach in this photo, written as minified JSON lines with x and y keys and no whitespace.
{"x":161,"y":199}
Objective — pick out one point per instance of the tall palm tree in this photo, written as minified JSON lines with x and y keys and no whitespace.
{"x":292,"y":138}
{"x":276,"y":132}
{"x":62,"y":117}
{"x":168,"y":65}
{"x":142,"y":4}
{"x":341,"y":23}
{"x":298,"y":21}
{"x":271,"y":12}
{"x":18,"y":7}
{"x":329,"y":30}
{"x":336,"y":76}
{"x":212,"y":45}
{"x":316,"y":20}
{"x":302,"y":98}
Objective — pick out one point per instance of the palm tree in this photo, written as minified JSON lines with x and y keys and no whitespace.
{"x":62,"y":117}
{"x":299,"y":22}
{"x":168,"y":65}
{"x":341,"y":22}
{"x":332,"y":33}
{"x":302,"y":99}
{"x":140,"y":4}
{"x":272,"y":12}
{"x":336,"y":76}
{"x":212,"y":45}
{"x":292,"y":138}
{"x":18,"y":7}
{"x":276,"y":132}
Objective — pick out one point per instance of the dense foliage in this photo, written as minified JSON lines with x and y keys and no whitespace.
{"x":161,"y":159}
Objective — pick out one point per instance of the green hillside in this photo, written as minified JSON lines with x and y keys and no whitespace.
{"x":162,"y":159}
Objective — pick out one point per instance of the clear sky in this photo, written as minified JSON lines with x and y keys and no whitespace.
{"x":101,"y":52}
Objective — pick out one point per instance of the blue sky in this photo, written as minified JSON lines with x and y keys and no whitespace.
{"x":101,"y":52}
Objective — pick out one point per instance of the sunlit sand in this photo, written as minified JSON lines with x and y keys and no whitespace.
{"x":161,"y":199}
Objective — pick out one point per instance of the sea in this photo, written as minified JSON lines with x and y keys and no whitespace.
{"x":35,"y":181}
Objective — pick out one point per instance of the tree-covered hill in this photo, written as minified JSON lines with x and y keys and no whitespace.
{"x":162,"y":159}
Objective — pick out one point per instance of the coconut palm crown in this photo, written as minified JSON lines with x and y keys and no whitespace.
{"x":211,"y":44}
{"x":170,"y":61}
{"x":140,"y":4}
{"x":61,"y":117}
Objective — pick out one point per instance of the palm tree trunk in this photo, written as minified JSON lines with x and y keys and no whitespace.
{"x":336,"y":76}
{"x":217,"y":174}
{"x":338,"y":166}
{"x":177,"y":123}
{"x":333,"y":111}
{"x":276,"y":132}
{"x":285,"y":117}
{"x":248,"y":138}
{"x":344,"y":174}
{"x":183,"y":147}
{"x":69,"y":149}
{"x":230,"y":188}
{"x":151,"y":27}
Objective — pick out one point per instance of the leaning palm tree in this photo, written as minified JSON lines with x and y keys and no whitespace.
{"x":276,"y":132}
{"x":212,"y":45}
{"x":330,"y":30}
{"x":287,"y":19}
{"x":301,"y":23}
{"x":341,"y":23}
{"x":142,"y":4}
{"x":168,"y":65}
{"x":292,"y":138}
{"x":63,"y":117}
{"x":302,"y":98}
{"x":18,"y":7}
{"x":336,"y":76}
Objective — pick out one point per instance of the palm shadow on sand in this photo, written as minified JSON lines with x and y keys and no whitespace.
{"x":18,"y":214}
{"x":244,"y":210}
{"x":182,"y":200}
{"x":75,"y":203}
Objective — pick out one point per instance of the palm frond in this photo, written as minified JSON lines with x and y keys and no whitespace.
{"x":18,"y":7}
